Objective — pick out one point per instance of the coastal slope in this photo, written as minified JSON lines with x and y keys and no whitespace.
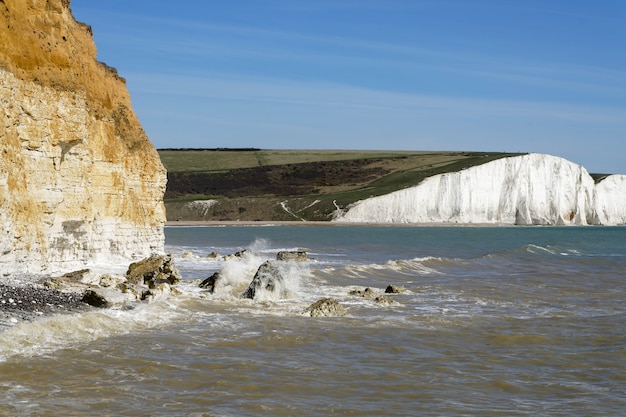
{"x":80,"y":183}
{"x":533,"y":189}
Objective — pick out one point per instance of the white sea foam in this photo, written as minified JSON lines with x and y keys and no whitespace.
{"x":405,"y":267}
{"x":236,"y":274}
{"x":259,"y":245}
{"x":49,"y":334}
{"x":290,"y":286}
{"x":540,"y":249}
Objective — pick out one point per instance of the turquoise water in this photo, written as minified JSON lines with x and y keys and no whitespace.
{"x":502,"y":321}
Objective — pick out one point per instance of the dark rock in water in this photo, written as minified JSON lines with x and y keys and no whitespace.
{"x":268,"y":277}
{"x":156,"y":268}
{"x":326,"y":307}
{"x":239,"y":254}
{"x":369,"y":293}
{"x":107,"y":297}
{"x":209,"y":283}
{"x":395,"y":289}
{"x":383,"y":299}
{"x":95,"y":299}
{"x":299,"y":256}
{"x":157,"y":291}
{"x":133,"y":289}
{"x":366,"y":293}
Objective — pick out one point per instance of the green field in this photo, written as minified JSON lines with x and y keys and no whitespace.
{"x":275,"y":185}
{"x":198,"y":160}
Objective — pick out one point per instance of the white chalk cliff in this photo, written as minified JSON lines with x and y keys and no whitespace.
{"x":532,"y":189}
{"x":611,"y":200}
{"x":80,"y":182}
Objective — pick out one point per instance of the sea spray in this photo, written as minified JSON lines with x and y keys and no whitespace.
{"x":276,"y":280}
{"x":49,"y":334}
{"x":387,"y":271}
{"x":259,"y":245}
{"x":236,"y":273}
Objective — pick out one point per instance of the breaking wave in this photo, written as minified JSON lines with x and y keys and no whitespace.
{"x":409,"y":267}
{"x":48,"y":334}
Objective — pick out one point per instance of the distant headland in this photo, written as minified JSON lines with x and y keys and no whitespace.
{"x":387,"y":187}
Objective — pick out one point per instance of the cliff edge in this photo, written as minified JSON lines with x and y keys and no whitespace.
{"x":80,"y":183}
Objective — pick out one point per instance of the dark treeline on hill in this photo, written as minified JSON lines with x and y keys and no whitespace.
{"x":211,"y":149}
{"x":288,"y":179}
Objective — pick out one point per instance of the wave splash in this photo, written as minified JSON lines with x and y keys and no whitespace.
{"x":48,"y":334}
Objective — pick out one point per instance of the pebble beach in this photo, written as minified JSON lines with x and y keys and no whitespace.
{"x":25,"y":300}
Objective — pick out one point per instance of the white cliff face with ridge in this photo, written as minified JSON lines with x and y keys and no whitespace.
{"x":611,"y":200}
{"x":532,"y":189}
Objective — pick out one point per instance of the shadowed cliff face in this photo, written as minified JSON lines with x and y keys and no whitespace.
{"x":80,"y":182}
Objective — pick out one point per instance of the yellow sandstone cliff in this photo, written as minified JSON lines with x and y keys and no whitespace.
{"x":80,"y":183}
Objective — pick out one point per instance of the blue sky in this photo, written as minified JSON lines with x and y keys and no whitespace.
{"x":543,"y":76}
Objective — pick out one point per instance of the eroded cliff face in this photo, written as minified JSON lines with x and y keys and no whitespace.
{"x":611,"y":200}
{"x":533,"y":189}
{"x":80,"y":182}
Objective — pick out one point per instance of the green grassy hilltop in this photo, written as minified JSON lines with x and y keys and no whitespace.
{"x":281,"y":185}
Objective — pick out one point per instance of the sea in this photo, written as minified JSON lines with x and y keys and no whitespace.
{"x":494,"y":321}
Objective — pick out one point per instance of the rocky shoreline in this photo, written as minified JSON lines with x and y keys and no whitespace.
{"x":28,"y":298}
{"x":25,"y":298}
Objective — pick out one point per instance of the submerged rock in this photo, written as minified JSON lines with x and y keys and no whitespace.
{"x":383,"y":299}
{"x":107,"y":298}
{"x":267,"y":278}
{"x":326,"y":307}
{"x":158,"y":291}
{"x":395,"y":289}
{"x":135,"y":290}
{"x":299,"y":256}
{"x":239,"y":254}
{"x":155,"y":269}
{"x":366,"y":293}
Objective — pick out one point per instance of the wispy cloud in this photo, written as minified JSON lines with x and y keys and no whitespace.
{"x":267,"y":90}
{"x":201,"y":45}
{"x":453,"y":74}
